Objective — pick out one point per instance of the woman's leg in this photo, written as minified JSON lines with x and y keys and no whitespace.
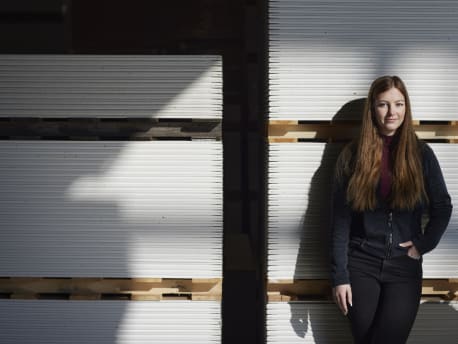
{"x":366,"y":293}
{"x":366,"y":288}
{"x":398,"y":308}
{"x":399,"y":300}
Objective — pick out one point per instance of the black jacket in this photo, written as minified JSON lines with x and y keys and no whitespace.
{"x":380,"y":231}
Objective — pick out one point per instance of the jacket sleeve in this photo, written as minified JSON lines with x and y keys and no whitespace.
{"x":340,"y":232}
{"x":440,"y":205}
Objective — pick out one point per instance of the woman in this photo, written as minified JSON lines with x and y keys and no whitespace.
{"x":384,"y":182}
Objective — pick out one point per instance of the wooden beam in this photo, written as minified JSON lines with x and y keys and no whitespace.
{"x":291,"y":290}
{"x":111,"y":288}
{"x":285,"y":131}
{"x":100,"y":128}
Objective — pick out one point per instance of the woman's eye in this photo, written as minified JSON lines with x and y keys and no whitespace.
{"x":381,"y":105}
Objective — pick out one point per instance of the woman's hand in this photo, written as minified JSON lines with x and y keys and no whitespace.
{"x":412,"y":252}
{"x":342,"y":296}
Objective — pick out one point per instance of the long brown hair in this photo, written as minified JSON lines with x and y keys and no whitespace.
{"x":407,"y":174}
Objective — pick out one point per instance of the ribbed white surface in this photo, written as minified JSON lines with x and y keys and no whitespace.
{"x":306,"y":322}
{"x":298,"y":207}
{"x":109,"y":322}
{"x":113,"y":209}
{"x":321,"y":323}
{"x":110,"y":86}
{"x":323,"y":54}
{"x":435,"y":323}
{"x":442,"y":262}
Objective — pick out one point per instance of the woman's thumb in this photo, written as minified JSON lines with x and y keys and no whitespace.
{"x":406,"y":244}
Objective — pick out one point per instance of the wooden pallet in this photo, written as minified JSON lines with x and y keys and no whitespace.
{"x":109,"y":129}
{"x":111,"y":288}
{"x":446,"y":289}
{"x":294,"y":290}
{"x":296,"y":131}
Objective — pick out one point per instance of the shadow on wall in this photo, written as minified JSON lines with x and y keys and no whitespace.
{"x":322,"y":323}
{"x":45,"y":233}
{"x":316,"y":320}
{"x":313,"y":254}
{"x":154,"y":226}
{"x":431,"y":317}
{"x":80,"y":211}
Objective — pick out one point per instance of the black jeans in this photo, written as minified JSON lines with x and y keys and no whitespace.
{"x":386,"y":295}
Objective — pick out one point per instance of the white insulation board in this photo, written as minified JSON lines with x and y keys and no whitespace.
{"x":111,"y":209}
{"x":323,"y":54}
{"x":109,"y":322}
{"x":322,"y":323}
{"x":299,"y":189}
{"x":162,"y":86}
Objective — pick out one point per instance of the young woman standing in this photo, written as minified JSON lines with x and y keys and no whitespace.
{"x":384,"y":182}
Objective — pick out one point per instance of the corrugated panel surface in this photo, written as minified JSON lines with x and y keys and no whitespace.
{"x":321,"y":323}
{"x":109,"y":322}
{"x":436,"y":322}
{"x":443,"y":261}
{"x":111,"y":209}
{"x":298,"y":207}
{"x":110,"y":86}
{"x":323,"y":54}
{"x":306,"y":322}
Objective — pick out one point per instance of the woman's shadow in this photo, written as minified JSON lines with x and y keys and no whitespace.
{"x":313,"y":255}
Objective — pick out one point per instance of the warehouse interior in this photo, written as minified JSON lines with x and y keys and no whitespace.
{"x":293,"y":76}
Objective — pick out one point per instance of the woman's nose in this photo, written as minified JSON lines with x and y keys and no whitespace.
{"x":391,"y":110}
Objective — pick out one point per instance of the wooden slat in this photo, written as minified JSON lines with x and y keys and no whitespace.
{"x":138,"y":128}
{"x":284,"y":131}
{"x":283,"y":122}
{"x":292,"y":290}
{"x":111,"y":288}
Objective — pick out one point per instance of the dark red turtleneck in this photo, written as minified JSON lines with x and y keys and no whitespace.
{"x":386,"y":168}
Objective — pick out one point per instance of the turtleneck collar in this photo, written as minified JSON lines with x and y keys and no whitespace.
{"x":387,"y":140}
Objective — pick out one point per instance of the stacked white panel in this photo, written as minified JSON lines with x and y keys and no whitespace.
{"x":322,"y":323}
{"x":306,"y":322}
{"x":435,"y":322}
{"x":109,"y":322}
{"x":145,"y":86}
{"x":111,"y":209}
{"x":323,"y":54}
{"x":442,"y":261}
{"x":300,"y":176}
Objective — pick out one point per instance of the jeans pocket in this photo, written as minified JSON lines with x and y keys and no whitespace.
{"x":418,"y":259}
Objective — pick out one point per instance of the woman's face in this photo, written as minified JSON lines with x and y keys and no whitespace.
{"x":390,"y":110}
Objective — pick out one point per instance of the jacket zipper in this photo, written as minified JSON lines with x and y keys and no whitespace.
{"x":390,"y":234}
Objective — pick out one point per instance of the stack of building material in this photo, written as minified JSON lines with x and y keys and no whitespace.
{"x":323,"y":55}
{"x":99,"y":210}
